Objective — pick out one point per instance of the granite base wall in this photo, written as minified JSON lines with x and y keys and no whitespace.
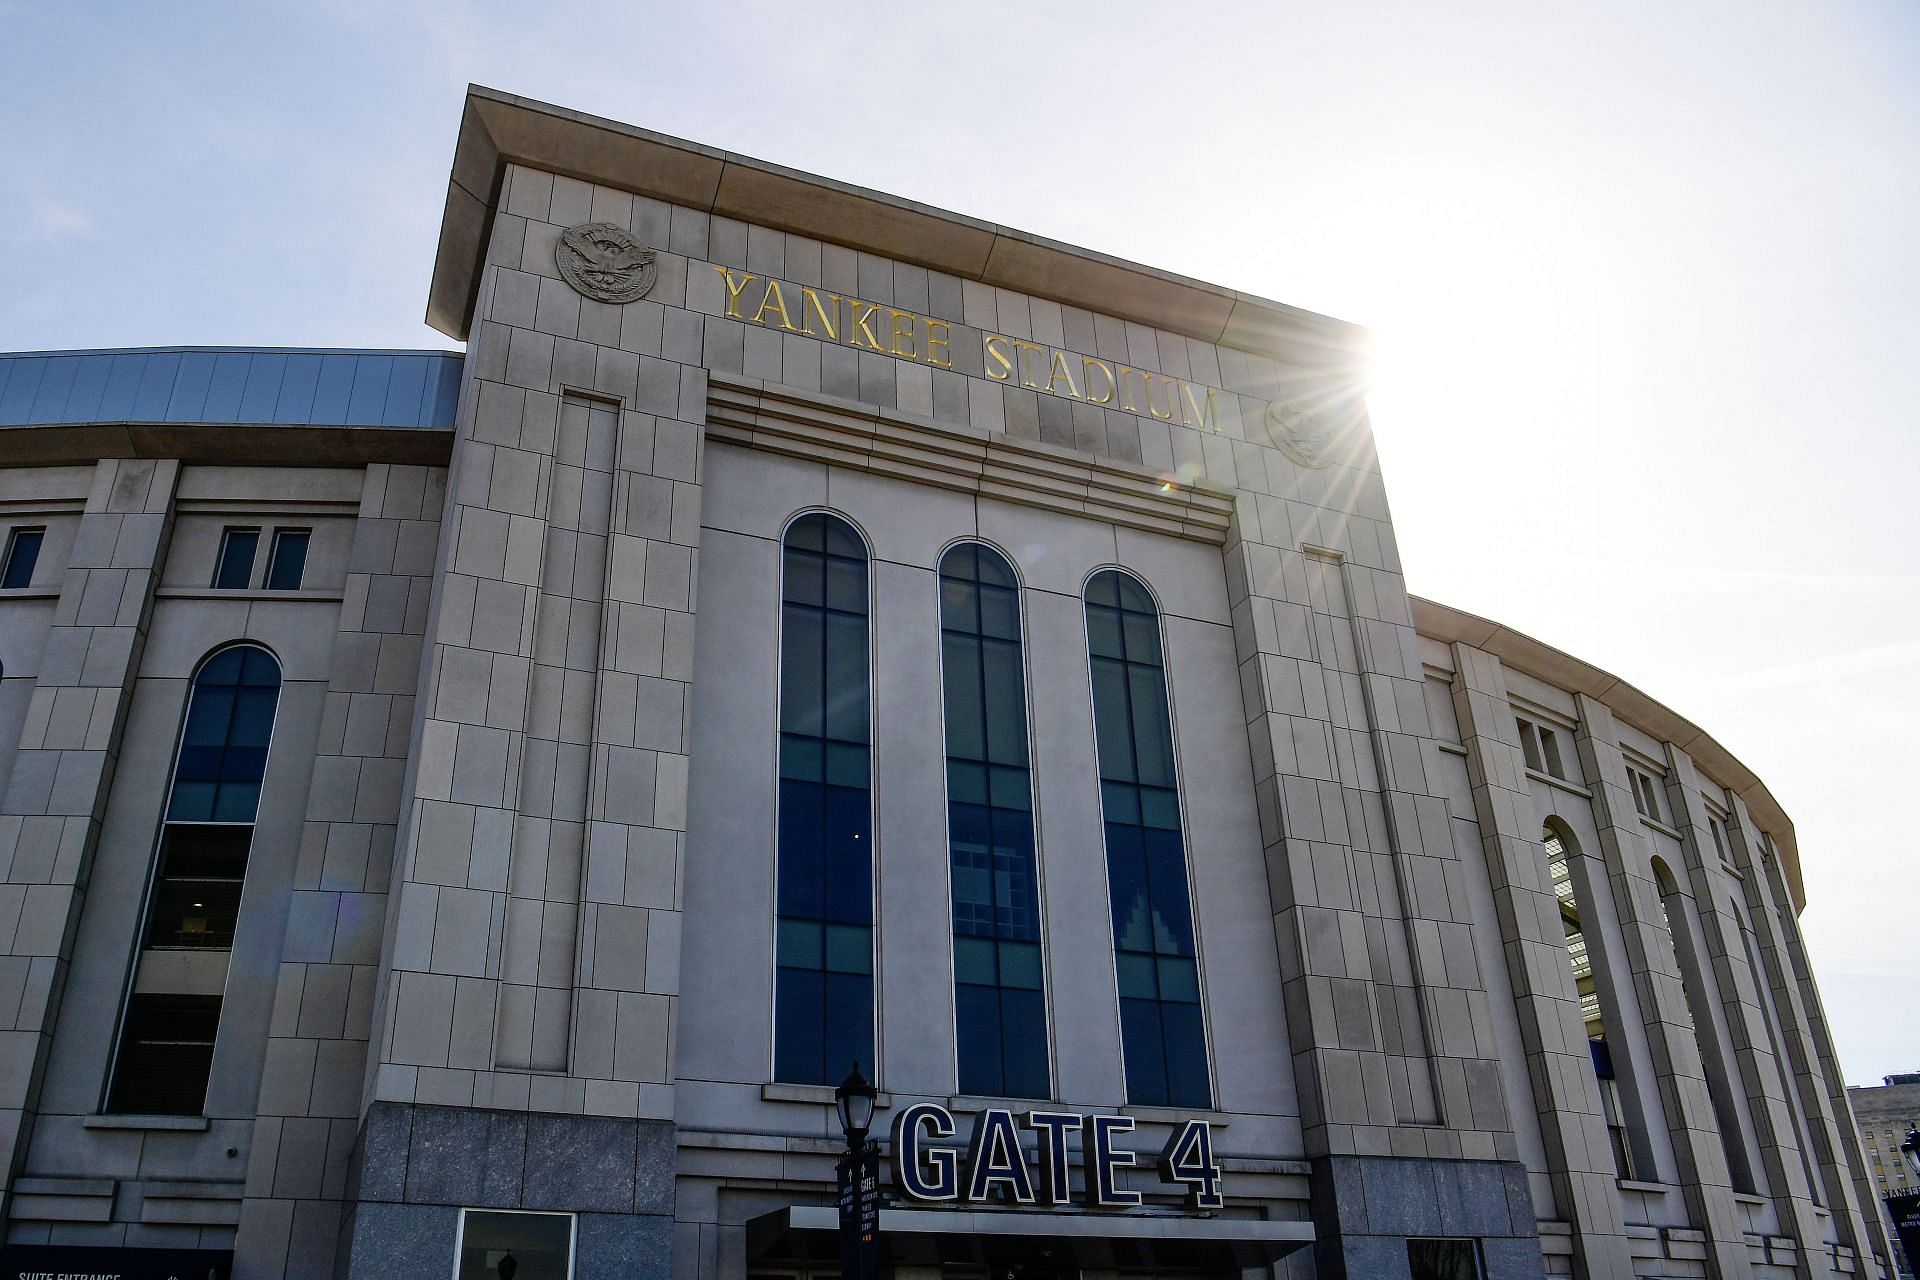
{"x":416,"y":1167}
{"x":1365,"y":1208}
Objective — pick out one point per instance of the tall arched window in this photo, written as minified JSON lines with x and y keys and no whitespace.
{"x":1162,"y":1036}
{"x":1558,"y":849}
{"x":999,"y":988}
{"x":167,"y":1033}
{"x":823,"y":988}
{"x":1699,"y":1014}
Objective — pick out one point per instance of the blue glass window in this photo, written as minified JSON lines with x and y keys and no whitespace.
{"x":234,"y":572}
{"x":287,"y":562}
{"x":1160,"y":1028}
{"x":166,"y":1043}
{"x":999,"y":991}
{"x":823,"y":988}
{"x":223,"y":750}
{"x":23,"y":553}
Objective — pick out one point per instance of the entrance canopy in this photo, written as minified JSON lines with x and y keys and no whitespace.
{"x":1097,"y":1241}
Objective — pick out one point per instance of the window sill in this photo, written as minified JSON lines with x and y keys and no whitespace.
{"x":29,"y":593}
{"x":1752,"y":1202}
{"x":821,"y":1094}
{"x":217,"y":593}
{"x":1660,"y":826}
{"x":1561,"y":784}
{"x":1175,"y":1115}
{"x":163,"y":1124}
{"x":1648,"y":1188}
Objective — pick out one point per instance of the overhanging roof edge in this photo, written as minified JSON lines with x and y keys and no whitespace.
{"x":497,"y":129}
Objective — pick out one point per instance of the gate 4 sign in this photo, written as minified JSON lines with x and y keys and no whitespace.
{"x":995,"y":1160}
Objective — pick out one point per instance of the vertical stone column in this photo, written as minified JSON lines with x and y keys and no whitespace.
{"x":69,"y":745}
{"x":1705,"y":1183}
{"x":1834,"y":1153}
{"x":1394,"y":1056}
{"x":532,"y":967}
{"x":1566,"y":1097}
{"x":1775,"y":1127}
{"x":316,"y":1060}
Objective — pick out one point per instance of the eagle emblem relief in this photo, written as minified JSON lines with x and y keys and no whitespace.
{"x":603,"y":262}
{"x":1303,"y":434}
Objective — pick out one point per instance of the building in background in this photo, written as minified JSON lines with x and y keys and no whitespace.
{"x":1886,"y":1113}
{"x":460,"y":808}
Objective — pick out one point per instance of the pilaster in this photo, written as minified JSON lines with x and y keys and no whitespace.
{"x":69,"y":746}
{"x":316,"y":1062}
{"x":1566,"y":1096}
{"x":1705,"y":1183}
{"x":1810,"y":1067}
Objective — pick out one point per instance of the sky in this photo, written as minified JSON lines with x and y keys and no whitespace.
{"x":1642,"y":279}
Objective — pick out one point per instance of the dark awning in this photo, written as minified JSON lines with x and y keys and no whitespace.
{"x":1101,"y":1241}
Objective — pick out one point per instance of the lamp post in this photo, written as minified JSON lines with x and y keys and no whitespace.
{"x":1911,"y":1149}
{"x":859,"y":1179}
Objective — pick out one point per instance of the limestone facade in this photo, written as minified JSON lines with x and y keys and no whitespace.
{"x":506,"y":941}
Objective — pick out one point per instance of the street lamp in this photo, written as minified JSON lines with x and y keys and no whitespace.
{"x":1911,"y":1149}
{"x":855,"y":1100}
{"x":859,"y":1179}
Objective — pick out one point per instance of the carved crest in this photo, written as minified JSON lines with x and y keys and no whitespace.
{"x":603,"y":262}
{"x":1304,"y":434}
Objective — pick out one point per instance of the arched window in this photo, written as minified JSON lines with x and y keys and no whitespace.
{"x":823,"y":988}
{"x":999,"y":988}
{"x":1162,"y":1036}
{"x":1699,"y":1015}
{"x":1558,"y":849}
{"x":167,"y":1035}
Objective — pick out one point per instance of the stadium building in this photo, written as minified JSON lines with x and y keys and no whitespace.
{"x":465,"y":813}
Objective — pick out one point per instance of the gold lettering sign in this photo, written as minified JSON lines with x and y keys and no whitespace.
{"x":1076,"y":377}
{"x":908,"y":335}
{"x":871,"y":326}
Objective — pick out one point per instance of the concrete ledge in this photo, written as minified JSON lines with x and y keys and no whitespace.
{"x":165,"y":1124}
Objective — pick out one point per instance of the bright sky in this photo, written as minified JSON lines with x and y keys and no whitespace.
{"x":1643,"y":279}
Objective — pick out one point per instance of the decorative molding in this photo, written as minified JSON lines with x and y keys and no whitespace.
{"x":847,"y":433}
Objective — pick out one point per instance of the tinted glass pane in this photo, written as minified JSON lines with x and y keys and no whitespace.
{"x":1112,"y":732}
{"x":989,"y":821}
{"x":799,"y":944}
{"x":1005,"y":691}
{"x":999,"y":614}
{"x":540,"y":1245}
{"x":1142,"y":1050}
{"x":23,"y":553}
{"x":966,"y":727}
{"x":849,"y":1030}
{"x":956,"y":605}
{"x":1023,"y":1039}
{"x":977,"y":1032}
{"x":846,"y":710}
{"x":824,"y":987}
{"x":166,"y":1055}
{"x":1186,"y":1056}
{"x":799,"y":1026}
{"x":1163,"y":1046}
{"x":289,"y":562}
{"x":802,"y":668}
{"x":235,"y":568}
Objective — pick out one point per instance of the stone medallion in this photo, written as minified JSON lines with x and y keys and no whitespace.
{"x":605,"y":263}
{"x":1305,"y":435}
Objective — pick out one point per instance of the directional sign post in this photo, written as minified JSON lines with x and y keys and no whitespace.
{"x":860,"y":1214}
